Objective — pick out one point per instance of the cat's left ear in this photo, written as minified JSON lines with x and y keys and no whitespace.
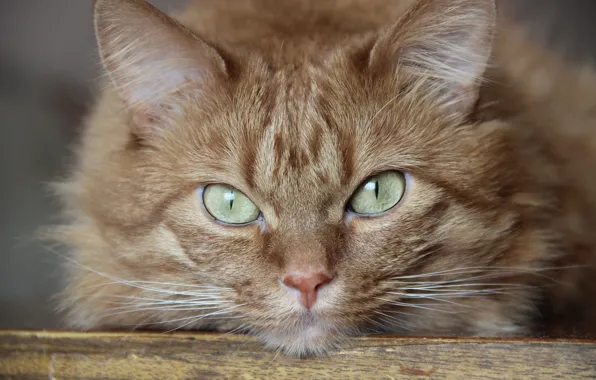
{"x":152,"y":60}
{"x":445,"y":45}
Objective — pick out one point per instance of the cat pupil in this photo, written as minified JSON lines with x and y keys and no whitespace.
{"x":230,"y":197}
{"x":377,"y":189}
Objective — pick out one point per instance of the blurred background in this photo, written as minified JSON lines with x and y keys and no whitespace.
{"x":48,"y":67}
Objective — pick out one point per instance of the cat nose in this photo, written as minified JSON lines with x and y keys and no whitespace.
{"x":308,"y":283}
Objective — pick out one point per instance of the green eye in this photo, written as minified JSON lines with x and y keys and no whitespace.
{"x":378,"y":193}
{"x":229,"y":205}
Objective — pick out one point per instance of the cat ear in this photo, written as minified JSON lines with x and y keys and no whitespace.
{"x":152,"y":60}
{"x":446,"y":44}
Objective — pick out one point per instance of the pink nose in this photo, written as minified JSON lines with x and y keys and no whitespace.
{"x":308,"y":283}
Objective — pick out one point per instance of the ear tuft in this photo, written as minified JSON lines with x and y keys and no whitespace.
{"x":447,"y":43}
{"x":152,"y":59}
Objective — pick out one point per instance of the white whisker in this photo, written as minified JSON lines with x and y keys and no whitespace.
{"x":381,"y":109}
{"x":238,"y":329}
{"x":466,"y":270}
{"x":130,"y":283}
{"x":393,"y":320}
{"x":208,"y":299}
{"x":417,"y":306}
{"x":223,"y":312}
{"x":445,"y":293}
{"x":157,"y":300}
{"x":438,"y":286}
{"x":181,"y":285}
{"x":134,"y":308}
{"x":196,"y":319}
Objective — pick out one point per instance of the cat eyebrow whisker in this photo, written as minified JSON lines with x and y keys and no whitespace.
{"x":381,"y":109}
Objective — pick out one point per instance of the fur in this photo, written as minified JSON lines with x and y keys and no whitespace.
{"x":295,"y":104}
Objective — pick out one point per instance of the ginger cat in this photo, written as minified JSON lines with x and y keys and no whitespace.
{"x":309,"y":170}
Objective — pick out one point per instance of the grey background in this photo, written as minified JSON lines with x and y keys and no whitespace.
{"x":47,"y":70}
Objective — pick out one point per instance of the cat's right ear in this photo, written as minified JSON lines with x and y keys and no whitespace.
{"x":153,"y":61}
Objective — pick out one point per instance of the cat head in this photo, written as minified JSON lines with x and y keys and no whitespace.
{"x":351,"y":190}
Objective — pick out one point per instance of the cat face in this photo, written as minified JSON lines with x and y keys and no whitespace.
{"x":303,"y":202}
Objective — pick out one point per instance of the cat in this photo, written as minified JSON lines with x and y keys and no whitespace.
{"x":306,"y":171}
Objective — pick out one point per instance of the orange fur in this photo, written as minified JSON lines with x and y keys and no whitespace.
{"x":295,"y":104}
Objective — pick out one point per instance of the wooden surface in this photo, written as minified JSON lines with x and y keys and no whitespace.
{"x":69,"y":355}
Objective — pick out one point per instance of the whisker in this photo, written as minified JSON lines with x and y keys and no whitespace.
{"x":438,"y":299}
{"x":182,"y":285}
{"x":160,"y":301}
{"x":135,"y":284}
{"x":221,"y":314}
{"x":440,"y":293}
{"x":143,"y":300}
{"x":134,"y":308}
{"x":439,"y":287}
{"x":432,"y":274}
{"x":215,"y":291}
{"x":209,"y":299}
{"x":381,"y":109}
{"x":417,"y":306}
{"x":396,"y":311}
{"x":122,"y":281}
{"x":393,"y":320}
{"x":376,"y":323}
{"x":196,"y":319}
{"x":240,"y":328}
{"x":463,"y":280}
{"x":465,"y":270}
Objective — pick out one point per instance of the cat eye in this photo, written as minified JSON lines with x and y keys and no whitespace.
{"x":378,"y":193}
{"x":228,"y":205}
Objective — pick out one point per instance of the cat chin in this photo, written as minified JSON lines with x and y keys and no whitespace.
{"x":314,"y":340}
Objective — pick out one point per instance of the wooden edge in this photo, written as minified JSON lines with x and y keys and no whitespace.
{"x":395,"y":339}
{"x":184,"y":355}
